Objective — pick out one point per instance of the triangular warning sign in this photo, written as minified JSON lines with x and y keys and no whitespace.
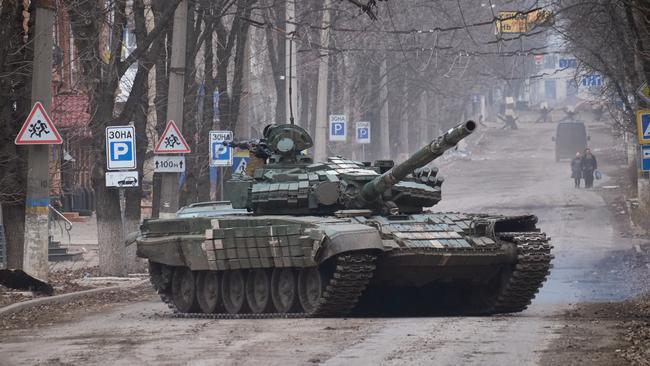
{"x":38,"y":129}
{"x":172,"y":141}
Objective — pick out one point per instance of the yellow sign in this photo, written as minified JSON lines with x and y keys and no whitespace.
{"x":643,"y":126}
{"x":644,"y":92}
{"x":519,"y":22}
{"x":512,"y":22}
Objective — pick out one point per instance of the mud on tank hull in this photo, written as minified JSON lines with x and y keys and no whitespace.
{"x":425,"y":264}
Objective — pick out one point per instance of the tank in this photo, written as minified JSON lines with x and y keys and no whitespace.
{"x":342,"y":237}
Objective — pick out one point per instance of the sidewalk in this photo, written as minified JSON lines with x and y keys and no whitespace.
{"x":82,"y":234}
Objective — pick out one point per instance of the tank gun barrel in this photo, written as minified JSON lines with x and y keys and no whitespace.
{"x":421,"y":158}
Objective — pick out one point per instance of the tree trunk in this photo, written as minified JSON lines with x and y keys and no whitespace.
{"x":188,"y":190}
{"x":203,"y":179}
{"x":15,"y":103}
{"x":322,"y":94}
{"x":13,"y":217}
{"x":133,"y":196}
{"x":384,"y":132}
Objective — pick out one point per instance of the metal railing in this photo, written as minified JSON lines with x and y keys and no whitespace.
{"x":57,"y":217}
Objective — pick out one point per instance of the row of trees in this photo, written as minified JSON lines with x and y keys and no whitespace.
{"x":612,"y":38}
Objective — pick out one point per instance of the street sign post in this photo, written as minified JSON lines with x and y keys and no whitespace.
{"x":643,"y":126}
{"x":120,"y":148}
{"x":169,"y":163}
{"x":172,"y":141}
{"x":363,"y":132}
{"x":338,"y":127}
{"x":645,"y":158}
{"x":122,"y":179}
{"x":38,"y":129}
{"x":644,"y":92}
{"x":220,"y":154}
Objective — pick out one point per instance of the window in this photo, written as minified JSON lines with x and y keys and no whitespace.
{"x":571,"y":88}
{"x":549,"y":89}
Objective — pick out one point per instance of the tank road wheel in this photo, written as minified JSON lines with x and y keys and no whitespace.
{"x":283,"y":290}
{"x":233,"y":290}
{"x":258,"y":291}
{"x":208,"y":293}
{"x":310,"y":288}
{"x":184,"y":290}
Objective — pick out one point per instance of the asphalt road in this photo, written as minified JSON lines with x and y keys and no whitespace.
{"x":510,"y":172}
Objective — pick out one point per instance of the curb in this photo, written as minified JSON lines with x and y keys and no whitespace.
{"x":19,"y":306}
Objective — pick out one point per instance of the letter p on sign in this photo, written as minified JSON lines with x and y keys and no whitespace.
{"x":121,"y":151}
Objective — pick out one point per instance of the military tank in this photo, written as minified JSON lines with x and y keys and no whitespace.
{"x":342,"y":237}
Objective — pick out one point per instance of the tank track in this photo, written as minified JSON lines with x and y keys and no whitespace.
{"x":351,"y":275}
{"x":528,"y":274}
{"x":349,"y":280}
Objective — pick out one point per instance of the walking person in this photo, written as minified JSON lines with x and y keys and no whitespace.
{"x":589,"y":165}
{"x":576,"y":169}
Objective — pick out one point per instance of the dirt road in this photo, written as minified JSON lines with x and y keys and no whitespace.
{"x":510,"y":172}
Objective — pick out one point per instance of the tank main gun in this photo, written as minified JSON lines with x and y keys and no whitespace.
{"x":433,"y":150}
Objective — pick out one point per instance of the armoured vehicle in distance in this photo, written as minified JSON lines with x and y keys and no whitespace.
{"x":342,"y":237}
{"x":570,"y":137}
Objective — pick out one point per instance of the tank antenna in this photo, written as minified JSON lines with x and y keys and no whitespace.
{"x":291,"y":79}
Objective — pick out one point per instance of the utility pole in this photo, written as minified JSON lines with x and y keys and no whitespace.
{"x":169,"y":188}
{"x":35,"y":249}
{"x":291,"y":84}
{"x":320,"y":143}
{"x":384,"y":140}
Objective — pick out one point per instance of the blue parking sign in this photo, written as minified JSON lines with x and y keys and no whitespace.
{"x":120,"y":148}
{"x":363,"y":132}
{"x":338,"y":127}
{"x":220,"y":153}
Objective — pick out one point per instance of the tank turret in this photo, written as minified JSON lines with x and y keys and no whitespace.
{"x":290,"y":183}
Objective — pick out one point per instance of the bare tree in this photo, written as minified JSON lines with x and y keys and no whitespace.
{"x":93,"y":25}
{"x":15,"y":89}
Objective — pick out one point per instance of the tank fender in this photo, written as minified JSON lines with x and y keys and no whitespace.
{"x":333,"y":239}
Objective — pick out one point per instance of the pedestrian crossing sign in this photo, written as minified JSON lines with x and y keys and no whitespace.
{"x":643,"y":125}
{"x":239,"y":165}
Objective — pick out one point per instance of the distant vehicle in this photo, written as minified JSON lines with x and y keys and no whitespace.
{"x":570,"y":137}
{"x":128,"y":181}
{"x":209,"y":209}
